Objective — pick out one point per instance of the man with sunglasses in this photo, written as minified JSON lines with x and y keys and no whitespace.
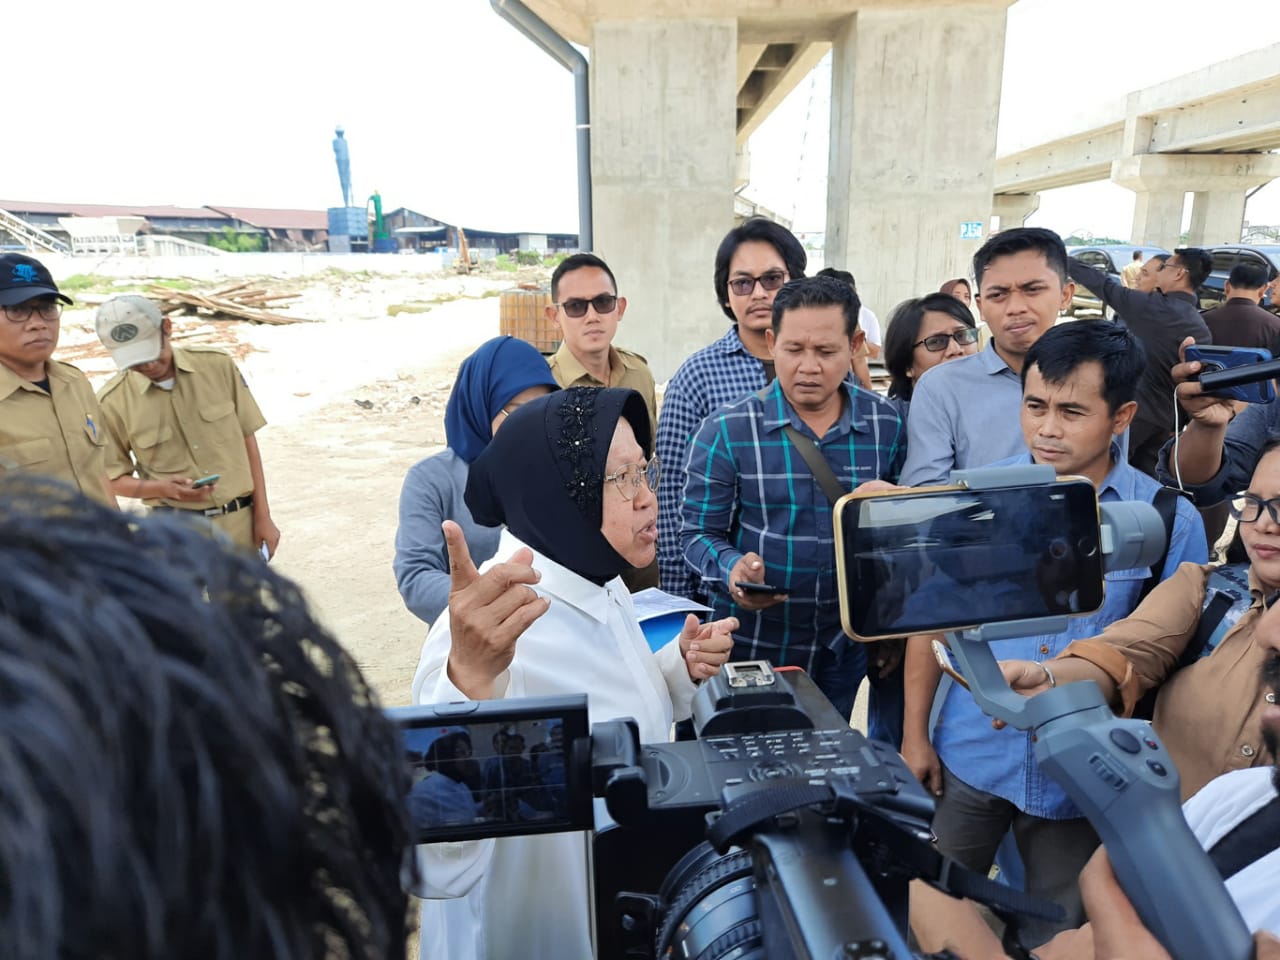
{"x":50,"y":421}
{"x":587,"y":311}
{"x":1162,"y":319}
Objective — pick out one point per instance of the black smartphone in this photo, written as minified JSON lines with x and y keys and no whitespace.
{"x":495,"y":768}
{"x":1236,"y":373}
{"x":762,"y":589}
{"x":949,"y":558}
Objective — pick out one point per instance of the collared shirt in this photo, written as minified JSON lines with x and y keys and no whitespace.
{"x":964,"y":413}
{"x":59,"y":432}
{"x":588,"y":642}
{"x":626,"y":369}
{"x":1161,"y":321}
{"x":1208,"y":713}
{"x":750,"y":491}
{"x":1130,"y":273}
{"x":1247,"y":434}
{"x":1242,"y":323}
{"x":1003,"y":762}
{"x":195,"y":429}
{"x":717,"y":374}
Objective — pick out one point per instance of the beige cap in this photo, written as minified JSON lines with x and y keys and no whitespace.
{"x":129,"y":327}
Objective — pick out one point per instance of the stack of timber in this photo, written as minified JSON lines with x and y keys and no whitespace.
{"x":242,"y":301}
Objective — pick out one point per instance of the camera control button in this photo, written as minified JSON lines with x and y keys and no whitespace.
{"x":1126,"y":741}
{"x":1152,"y":743}
{"x":1157,"y":768}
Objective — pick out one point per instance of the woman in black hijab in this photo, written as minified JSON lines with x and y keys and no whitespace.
{"x":567,"y":478}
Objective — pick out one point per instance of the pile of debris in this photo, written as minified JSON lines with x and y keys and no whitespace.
{"x":242,"y":301}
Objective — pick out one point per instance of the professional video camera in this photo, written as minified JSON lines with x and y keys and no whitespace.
{"x":780,"y":832}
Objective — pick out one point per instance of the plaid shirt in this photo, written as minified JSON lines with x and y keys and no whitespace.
{"x":749,"y":490}
{"x":717,"y":374}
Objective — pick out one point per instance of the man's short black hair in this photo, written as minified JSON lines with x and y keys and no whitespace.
{"x":766,"y":231}
{"x":1249,"y":276}
{"x":1162,"y":257}
{"x":1016,"y":240}
{"x":192,"y":767}
{"x":818,"y":292}
{"x":1063,"y":348}
{"x":904,"y":330}
{"x":1197,"y":263}
{"x":578,"y":261}
{"x":844,"y":275}
{"x":1137,"y":255}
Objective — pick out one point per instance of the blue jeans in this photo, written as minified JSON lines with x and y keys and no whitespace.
{"x":885,"y":707}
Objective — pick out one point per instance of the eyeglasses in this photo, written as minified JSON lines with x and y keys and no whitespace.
{"x":770,"y":281}
{"x":1248,"y":509}
{"x":629,"y":478}
{"x":1168,"y":265}
{"x":939,"y":341}
{"x":21,"y":312}
{"x":577,"y":307}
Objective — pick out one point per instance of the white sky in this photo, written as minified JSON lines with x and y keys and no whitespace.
{"x":450,"y":111}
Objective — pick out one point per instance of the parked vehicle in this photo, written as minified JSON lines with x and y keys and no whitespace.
{"x":1226,"y":257}
{"x":1109,"y":258}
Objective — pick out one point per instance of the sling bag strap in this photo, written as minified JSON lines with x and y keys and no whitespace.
{"x":812,"y":458}
{"x":1248,"y":841}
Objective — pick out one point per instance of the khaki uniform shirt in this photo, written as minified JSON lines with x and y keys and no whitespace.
{"x":59,"y":433}
{"x":1209,"y":713}
{"x":1129,"y":273}
{"x":195,"y":429}
{"x":626,"y":369}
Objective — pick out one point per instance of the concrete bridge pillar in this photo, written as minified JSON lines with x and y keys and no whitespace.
{"x":663,"y":156}
{"x":1014,"y":208}
{"x":1219,"y":182}
{"x":913,"y":143}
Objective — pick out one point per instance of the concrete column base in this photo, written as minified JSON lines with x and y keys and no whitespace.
{"x":663,"y":155}
{"x":1014,"y":208}
{"x":1220,"y":182}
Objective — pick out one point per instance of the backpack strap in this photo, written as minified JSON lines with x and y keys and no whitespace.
{"x":1248,"y":841}
{"x":813,"y":459}
{"x":1166,"y":504}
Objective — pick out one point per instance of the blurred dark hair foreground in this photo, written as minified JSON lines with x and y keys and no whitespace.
{"x":189,"y":765}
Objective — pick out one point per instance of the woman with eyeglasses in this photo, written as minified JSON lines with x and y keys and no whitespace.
{"x":568,"y":480}
{"x":1214,"y":682}
{"x":923,"y":333}
{"x":501,"y":375}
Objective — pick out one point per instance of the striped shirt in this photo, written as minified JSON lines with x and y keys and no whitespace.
{"x":749,"y":491}
{"x":719,"y":373}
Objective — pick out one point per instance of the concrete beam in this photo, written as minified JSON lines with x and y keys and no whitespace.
{"x":1065,"y":162}
{"x":785,"y":66}
{"x":1014,"y":208}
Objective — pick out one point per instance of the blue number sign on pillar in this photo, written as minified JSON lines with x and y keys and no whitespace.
{"x":970,"y":229}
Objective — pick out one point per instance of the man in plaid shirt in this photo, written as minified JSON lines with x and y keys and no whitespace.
{"x":754,"y":260}
{"x":754,"y":512}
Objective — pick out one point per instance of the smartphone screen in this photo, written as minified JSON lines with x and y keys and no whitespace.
{"x":948,"y":560}
{"x":507,"y":770}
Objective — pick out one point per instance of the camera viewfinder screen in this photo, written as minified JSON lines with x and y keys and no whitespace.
{"x":492,"y":778}
{"x":929,"y":562}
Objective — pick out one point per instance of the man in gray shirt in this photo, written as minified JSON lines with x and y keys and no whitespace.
{"x":966,"y":413}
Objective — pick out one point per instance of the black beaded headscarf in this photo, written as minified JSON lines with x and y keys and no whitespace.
{"x":542,"y":475}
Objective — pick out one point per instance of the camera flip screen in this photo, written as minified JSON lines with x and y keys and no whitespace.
{"x":954,"y":559}
{"x":499,"y":770}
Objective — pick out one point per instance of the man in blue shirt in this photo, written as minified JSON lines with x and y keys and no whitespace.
{"x":754,"y":260}
{"x":753,"y":510}
{"x":1079,"y":383}
{"x":965,"y":413}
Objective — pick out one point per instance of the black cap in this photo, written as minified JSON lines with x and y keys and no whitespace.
{"x":23,"y":279}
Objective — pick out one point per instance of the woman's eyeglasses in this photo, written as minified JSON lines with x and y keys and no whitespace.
{"x":939,"y":341}
{"x":629,"y":478}
{"x":772,"y":280}
{"x":576,"y":307}
{"x":1248,"y":509}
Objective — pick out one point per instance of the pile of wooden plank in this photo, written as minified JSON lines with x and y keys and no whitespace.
{"x":248,"y":300}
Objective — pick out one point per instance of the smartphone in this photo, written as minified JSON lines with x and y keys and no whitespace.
{"x":206,"y":481}
{"x":1235,"y":373}
{"x":948,"y":558}
{"x":496,"y":768}
{"x":761,"y":589}
{"x":944,"y":661}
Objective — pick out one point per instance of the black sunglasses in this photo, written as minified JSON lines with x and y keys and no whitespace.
{"x":602,"y":304}
{"x":939,"y":341}
{"x":742,"y":286}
